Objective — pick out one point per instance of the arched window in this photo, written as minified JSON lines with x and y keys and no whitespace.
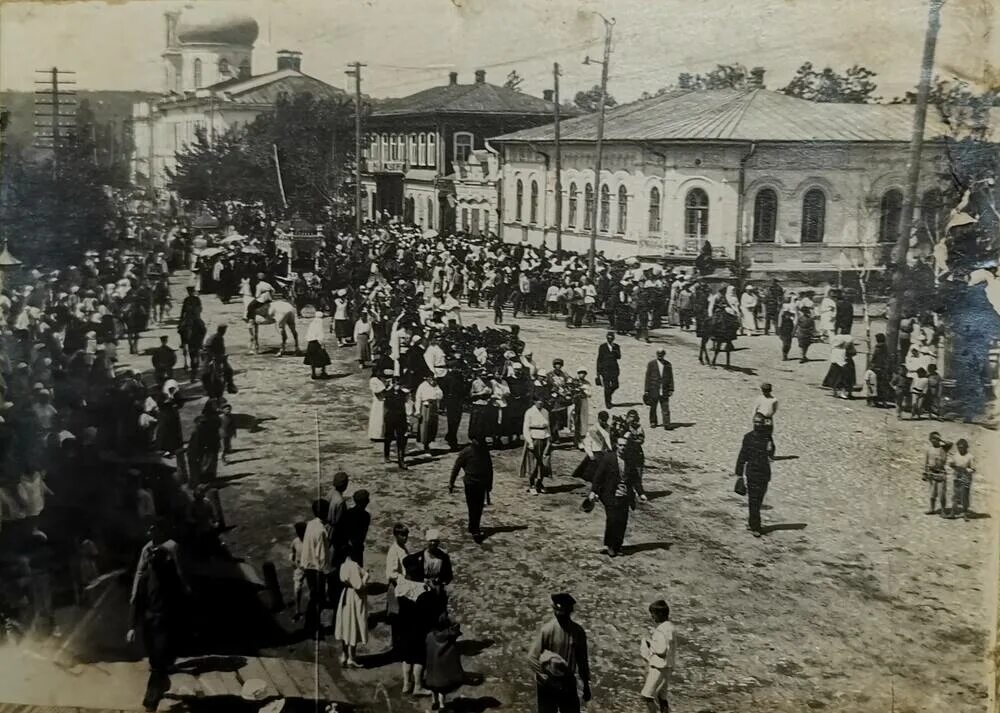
{"x":890,"y":216}
{"x":654,"y":210}
{"x":622,"y":209}
{"x":696,"y":214}
{"x":519,"y":201}
{"x":385,"y":149}
{"x":571,"y":222}
{"x":224,"y":67}
{"x":605,"y":208}
{"x":422,"y":149}
{"x":432,"y":150}
{"x":244,"y":69}
{"x":534,"y":202}
{"x":588,"y":206}
{"x":430,"y":213}
{"x":813,"y":216}
{"x":197,"y":74}
{"x":765,"y":216}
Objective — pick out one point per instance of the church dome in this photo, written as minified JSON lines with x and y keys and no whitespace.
{"x":203,"y":28}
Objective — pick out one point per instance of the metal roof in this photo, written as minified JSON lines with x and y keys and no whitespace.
{"x":740,"y":115}
{"x":479,"y":97}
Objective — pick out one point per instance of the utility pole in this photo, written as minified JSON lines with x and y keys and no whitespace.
{"x":51,"y":98}
{"x":355,"y":72}
{"x":555,"y":96}
{"x":902,"y":246}
{"x":608,"y":24}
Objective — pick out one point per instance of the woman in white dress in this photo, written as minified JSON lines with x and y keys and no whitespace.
{"x":827,"y":314}
{"x":748,"y":304}
{"x":376,"y":412}
{"x":351,"y":627}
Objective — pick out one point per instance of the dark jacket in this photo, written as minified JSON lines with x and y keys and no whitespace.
{"x":413,"y":564}
{"x":754,"y":458}
{"x":607,"y":359}
{"x":656,"y":386}
{"x":477,"y":465}
{"x":607,"y":477}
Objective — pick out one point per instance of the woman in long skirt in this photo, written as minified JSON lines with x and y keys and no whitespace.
{"x":376,"y":412}
{"x":351,"y":627}
{"x":581,"y":410}
{"x":362,"y":337}
{"x":443,"y":672}
{"x":341,"y":322}
{"x":316,"y":354}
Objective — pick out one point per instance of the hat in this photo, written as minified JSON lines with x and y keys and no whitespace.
{"x":587,"y":505}
{"x":342,"y":292}
{"x":433,"y":535}
{"x":621,"y":442}
{"x":563,"y":600}
{"x":509,"y":354}
{"x":581,"y":371}
{"x":388,"y":372}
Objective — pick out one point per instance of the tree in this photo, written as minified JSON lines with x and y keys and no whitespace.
{"x":589,"y":101}
{"x":52,"y":211}
{"x":724,"y":76}
{"x":513,"y":80}
{"x":314,"y":141}
{"x":855,"y":86}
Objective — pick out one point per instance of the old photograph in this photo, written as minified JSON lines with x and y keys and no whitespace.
{"x":388,"y":356}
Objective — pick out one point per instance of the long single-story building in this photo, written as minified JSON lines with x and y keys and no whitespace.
{"x":778,"y":183}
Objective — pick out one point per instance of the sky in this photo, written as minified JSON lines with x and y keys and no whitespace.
{"x":410,"y":45}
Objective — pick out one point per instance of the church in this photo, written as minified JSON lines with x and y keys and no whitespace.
{"x":774,"y":183}
{"x":208,"y":84}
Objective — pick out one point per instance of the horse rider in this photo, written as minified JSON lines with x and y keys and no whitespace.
{"x":262,"y":295}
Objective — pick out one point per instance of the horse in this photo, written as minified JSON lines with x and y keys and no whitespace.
{"x":192,"y":332}
{"x":277,"y":312}
{"x":135,"y":318}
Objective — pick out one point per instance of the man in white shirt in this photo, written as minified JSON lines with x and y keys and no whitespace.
{"x":658,"y":652}
{"x":434,"y":356}
{"x":315,"y":562}
{"x":537,"y":438}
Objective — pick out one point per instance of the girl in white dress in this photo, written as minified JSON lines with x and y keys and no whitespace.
{"x":376,"y":412}
{"x":351,"y":626}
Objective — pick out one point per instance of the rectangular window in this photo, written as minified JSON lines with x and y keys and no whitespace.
{"x":432,"y":150}
{"x":413,"y":150}
{"x":486,"y":222}
{"x":463,"y":146}
{"x":465,"y":219}
{"x":475,"y":221}
{"x":422,"y":150}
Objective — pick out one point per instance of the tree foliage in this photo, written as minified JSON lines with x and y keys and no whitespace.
{"x":590,"y":100}
{"x":314,"y":140}
{"x":854,"y":86}
{"x":54,"y":209}
{"x":513,"y":80}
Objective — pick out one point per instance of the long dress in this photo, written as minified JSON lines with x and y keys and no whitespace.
{"x":352,"y":610}
{"x":376,"y":412}
{"x":316,"y":355}
{"x":362,"y":337}
{"x":443,"y":665}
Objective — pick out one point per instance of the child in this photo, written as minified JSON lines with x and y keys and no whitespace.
{"x":871,"y":388}
{"x":298,"y":573}
{"x":443,"y":672}
{"x":227,"y":430}
{"x":933,"y":389}
{"x":962,"y":465}
{"x":658,"y":652}
{"x":935,"y":459}
{"x":918,"y":390}
{"x":901,"y":388}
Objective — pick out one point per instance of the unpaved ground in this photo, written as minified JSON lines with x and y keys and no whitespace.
{"x":860,"y":602}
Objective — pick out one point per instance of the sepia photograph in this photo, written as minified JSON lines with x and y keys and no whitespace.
{"x":385,"y":356}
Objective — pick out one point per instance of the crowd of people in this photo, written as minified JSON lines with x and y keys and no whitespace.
{"x":395,"y":295}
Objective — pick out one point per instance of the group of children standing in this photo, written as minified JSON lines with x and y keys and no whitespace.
{"x":939,"y":460}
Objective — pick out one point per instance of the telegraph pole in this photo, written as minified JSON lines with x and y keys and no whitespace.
{"x":555,"y":95}
{"x":608,"y":24}
{"x":902,"y":246}
{"x":51,"y":97}
{"x":355,"y":72}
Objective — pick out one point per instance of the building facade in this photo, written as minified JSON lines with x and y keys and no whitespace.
{"x":778,"y":183}
{"x":209,"y":86}
{"x":426,"y":157}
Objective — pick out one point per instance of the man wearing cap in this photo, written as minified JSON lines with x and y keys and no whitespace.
{"x":658,"y":388}
{"x":608,"y":370}
{"x":558,"y":417}
{"x":558,"y":655}
{"x":476,"y":465}
{"x":164,"y":360}
{"x":754,"y":466}
{"x":394,"y":409}
{"x":615,"y":484}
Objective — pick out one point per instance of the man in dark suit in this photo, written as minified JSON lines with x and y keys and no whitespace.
{"x":616,"y":486}
{"x":608,"y":356}
{"x":754,"y":466}
{"x":659,"y":387}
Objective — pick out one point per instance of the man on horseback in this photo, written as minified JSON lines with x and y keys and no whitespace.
{"x":262,"y":295}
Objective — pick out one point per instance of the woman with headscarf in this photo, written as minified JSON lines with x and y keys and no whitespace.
{"x":827,"y":313}
{"x":316,"y":355}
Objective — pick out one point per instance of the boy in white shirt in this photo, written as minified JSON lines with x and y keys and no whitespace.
{"x":658,"y":652}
